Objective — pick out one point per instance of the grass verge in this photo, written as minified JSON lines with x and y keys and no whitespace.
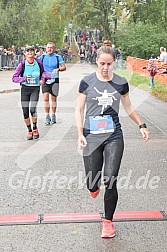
{"x":160,"y":91}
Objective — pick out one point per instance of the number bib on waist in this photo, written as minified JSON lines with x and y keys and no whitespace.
{"x":33,"y":81}
{"x":101,"y":124}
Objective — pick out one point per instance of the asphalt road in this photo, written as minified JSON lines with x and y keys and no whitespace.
{"x":24,"y":166}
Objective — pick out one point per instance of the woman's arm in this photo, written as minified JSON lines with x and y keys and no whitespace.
{"x":79,"y":119}
{"x":130,"y":110}
{"x":16,"y":76}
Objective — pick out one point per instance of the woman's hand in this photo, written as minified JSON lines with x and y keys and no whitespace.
{"x":145,"y":134}
{"x":81,"y":142}
{"x":41,"y":82}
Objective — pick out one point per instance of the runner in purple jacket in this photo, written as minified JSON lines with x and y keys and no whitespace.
{"x":29,"y":75}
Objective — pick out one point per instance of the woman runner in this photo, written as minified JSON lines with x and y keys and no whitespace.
{"x":99,"y":130}
{"x":29,"y":74}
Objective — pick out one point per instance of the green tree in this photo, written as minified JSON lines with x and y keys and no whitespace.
{"x":139,"y":26}
{"x":29,"y":22}
{"x":140,"y":40}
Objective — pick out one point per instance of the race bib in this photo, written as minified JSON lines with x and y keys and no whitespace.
{"x":53,"y":77}
{"x":101,"y":124}
{"x":32,"y":81}
{"x":51,"y":81}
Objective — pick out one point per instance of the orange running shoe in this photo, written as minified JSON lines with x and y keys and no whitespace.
{"x":107,"y":229}
{"x":35,"y":133}
{"x":95,"y":194}
{"x":30,"y":135}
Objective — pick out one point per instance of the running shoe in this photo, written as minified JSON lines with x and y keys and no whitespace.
{"x":48,"y":120}
{"x":53,"y":119}
{"x":35,"y":133}
{"x":95,"y":194}
{"x":107,"y":229}
{"x":30,"y":135}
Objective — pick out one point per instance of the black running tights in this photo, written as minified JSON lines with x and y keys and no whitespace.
{"x":29,"y":97}
{"x":108,"y":154}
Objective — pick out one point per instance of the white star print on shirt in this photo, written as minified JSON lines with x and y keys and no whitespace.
{"x":106,"y":99}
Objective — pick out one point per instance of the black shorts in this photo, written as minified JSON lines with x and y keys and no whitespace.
{"x":82,"y":59}
{"x":52,"y":89}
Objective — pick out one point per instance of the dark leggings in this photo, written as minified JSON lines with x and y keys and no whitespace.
{"x":110,"y":154}
{"x":29,"y":96}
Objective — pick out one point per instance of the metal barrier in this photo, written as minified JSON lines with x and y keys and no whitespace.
{"x":10,"y":62}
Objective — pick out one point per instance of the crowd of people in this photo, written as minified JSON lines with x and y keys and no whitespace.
{"x":11,"y":57}
{"x":87,"y":42}
{"x":88,"y":51}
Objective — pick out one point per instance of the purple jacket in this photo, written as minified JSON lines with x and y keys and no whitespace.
{"x":16,"y":76}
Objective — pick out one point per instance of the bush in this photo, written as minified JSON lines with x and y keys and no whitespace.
{"x":140,"y":40}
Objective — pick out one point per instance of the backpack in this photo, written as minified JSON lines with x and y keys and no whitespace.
{"x":23,"y":68}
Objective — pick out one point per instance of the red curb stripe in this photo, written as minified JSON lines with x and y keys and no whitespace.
{"x":138,"y":215}
{"x":80,"y":217}
{"x":118,"y":216}
{"x":19,"y":219}
{"x":67,"y":217}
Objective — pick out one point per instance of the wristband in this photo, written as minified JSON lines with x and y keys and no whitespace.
{"x":142,"y":126}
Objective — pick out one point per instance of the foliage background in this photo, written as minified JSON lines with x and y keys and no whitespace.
{"x":138,"y":26}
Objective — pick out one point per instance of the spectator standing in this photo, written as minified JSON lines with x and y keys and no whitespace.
{"x":107,"y":43}
{"x":88,"y":44}
{"x":93,"y":53}
{"x":79,"y":34}
{"x":70,"y":54}
{"x":115,"y":62}
{"x":39,"y":51}
{"x":152,"y":69}
{"x":163,"y":55}
{"x":119,"y":57}
{"x":64,"y":54}
{"x":82,"y":54}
